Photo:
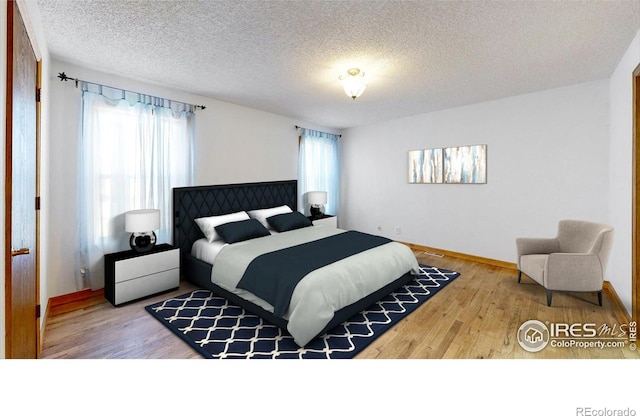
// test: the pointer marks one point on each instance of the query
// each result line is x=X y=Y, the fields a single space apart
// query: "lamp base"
x=142 y=242
x=316 y=211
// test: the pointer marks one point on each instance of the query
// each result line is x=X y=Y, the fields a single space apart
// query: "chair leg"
x=519 y=276
x=600 y=297
x=548 y=298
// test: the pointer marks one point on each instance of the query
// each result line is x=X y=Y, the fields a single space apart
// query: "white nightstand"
x=326 y=220
x=130 y=275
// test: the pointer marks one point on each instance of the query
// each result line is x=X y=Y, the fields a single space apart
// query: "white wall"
x=547 y=160
x=238 y=144
x=621 y=172
x=233 y=144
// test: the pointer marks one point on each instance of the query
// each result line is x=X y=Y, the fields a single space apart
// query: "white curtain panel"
x=133 y=150
x=318 y=168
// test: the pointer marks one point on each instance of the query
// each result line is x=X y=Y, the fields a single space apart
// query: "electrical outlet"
x=398 y=229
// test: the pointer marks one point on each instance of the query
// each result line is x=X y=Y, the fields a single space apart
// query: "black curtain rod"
x=65 y=77
x=337 y=135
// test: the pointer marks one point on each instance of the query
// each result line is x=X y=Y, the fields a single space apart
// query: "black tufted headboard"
x=193 y=202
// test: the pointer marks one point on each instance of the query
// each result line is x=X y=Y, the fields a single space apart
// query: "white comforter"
x=322 y=292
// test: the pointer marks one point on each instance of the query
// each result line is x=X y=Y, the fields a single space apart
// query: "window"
x=318 y=168
x=131 y=155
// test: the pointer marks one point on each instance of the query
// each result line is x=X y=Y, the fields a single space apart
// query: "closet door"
x=20 y=222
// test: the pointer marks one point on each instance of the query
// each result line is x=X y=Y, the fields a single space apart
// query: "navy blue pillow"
x=233 y=232
x=289 y=221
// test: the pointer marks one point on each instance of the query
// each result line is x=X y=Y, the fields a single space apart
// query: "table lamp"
x=142 y=223
x=317 y=199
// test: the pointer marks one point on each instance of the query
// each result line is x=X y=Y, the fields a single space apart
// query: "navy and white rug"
x=218 y=329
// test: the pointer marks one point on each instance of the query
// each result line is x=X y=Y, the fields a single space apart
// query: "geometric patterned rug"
x=217 y=328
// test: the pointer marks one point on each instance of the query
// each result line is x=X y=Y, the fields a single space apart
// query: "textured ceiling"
x=285 y=56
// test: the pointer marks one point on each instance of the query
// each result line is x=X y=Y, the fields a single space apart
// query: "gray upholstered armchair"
x=574 y=261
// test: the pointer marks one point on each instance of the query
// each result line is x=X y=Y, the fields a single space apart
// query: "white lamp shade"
x=142 y=220
x=353 y=87
x=317 y=197
x=353 y=83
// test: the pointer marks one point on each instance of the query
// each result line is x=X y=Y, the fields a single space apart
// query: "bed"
x=321 y=276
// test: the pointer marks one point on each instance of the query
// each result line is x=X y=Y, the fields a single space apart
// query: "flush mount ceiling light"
x=353 y=83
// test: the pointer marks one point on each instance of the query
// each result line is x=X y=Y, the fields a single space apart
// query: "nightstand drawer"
x=146 y=265
x=149 y=284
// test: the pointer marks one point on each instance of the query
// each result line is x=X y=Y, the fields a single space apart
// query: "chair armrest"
x=580 y=272
x=536 y=246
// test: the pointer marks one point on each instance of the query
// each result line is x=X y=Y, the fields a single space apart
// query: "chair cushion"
x=581 y=236
x=533 y=266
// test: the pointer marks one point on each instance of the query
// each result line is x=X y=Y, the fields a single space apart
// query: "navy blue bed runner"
x=273 y=276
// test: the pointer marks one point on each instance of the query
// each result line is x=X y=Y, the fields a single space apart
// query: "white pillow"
x=208 y=224
x=262 y=214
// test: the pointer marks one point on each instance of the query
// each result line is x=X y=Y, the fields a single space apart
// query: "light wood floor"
x=475 y=316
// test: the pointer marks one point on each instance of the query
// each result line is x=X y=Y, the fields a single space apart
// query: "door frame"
x=21 y=7
x=635 y=198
